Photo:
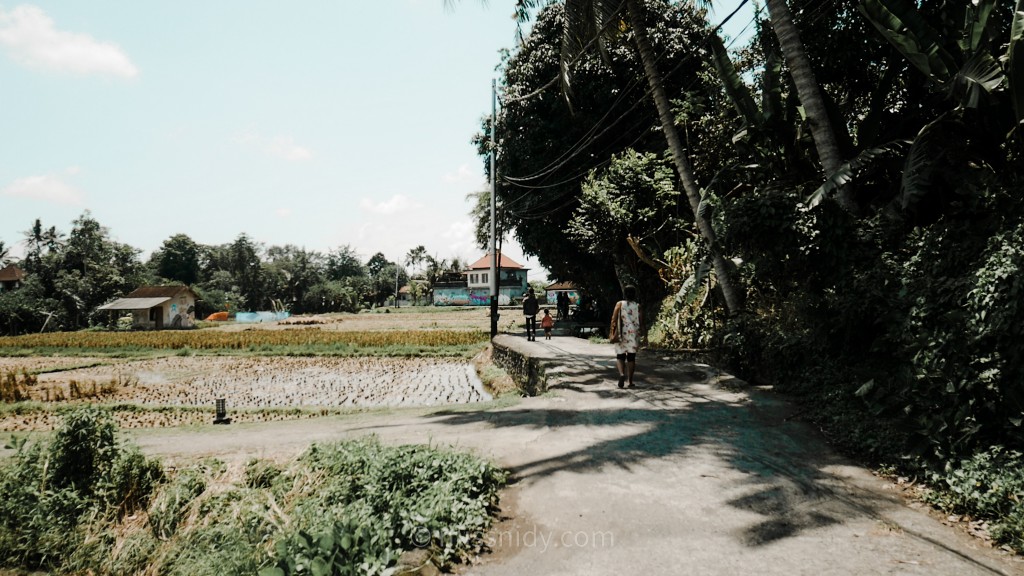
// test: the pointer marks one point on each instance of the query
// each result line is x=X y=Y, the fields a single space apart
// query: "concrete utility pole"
x=396 y=287
x=494 y=225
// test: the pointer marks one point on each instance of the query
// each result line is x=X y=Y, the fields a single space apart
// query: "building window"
x=484 y=279
x=472 y=278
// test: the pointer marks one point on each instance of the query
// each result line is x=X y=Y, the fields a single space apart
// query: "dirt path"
x=684 y=475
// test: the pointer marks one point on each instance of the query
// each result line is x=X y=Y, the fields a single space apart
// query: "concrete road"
x=689 y=473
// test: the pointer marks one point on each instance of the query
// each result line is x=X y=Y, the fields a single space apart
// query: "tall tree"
x=343 y=262
x=416 y=257
x=809 y=93
x=246 y=268
x=178 y=259
x=595 y=22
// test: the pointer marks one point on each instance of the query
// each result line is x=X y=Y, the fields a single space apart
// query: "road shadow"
x=682 y=410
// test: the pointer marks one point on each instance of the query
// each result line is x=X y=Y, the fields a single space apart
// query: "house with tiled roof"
x=474 y=289
x=11 y=277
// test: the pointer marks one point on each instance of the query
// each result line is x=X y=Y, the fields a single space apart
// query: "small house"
x=11 y=277
x=158 y=307
x=553 y=290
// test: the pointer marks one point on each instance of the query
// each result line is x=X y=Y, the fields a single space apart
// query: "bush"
x=50 y=493
x=344 y=508
x=987 y=486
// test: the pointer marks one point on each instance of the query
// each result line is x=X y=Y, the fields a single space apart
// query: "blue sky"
x=316 y=123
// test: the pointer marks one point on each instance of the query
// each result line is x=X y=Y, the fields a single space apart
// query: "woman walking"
x=624 y=332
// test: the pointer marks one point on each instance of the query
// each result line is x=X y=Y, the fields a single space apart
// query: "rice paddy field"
x=301 y=367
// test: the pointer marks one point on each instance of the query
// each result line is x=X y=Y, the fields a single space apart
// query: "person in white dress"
x=624 y=332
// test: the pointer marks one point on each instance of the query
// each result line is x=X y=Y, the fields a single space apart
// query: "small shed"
x=567 y=287
x=158 y=307
x=11 y=277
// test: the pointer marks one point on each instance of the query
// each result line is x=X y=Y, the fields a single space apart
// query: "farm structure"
x=11 y=277
x=569 y=288
x=158 y=307
x=474 y=287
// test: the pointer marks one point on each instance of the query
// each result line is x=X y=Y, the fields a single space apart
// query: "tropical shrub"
x=345 y=508
x=50 y=492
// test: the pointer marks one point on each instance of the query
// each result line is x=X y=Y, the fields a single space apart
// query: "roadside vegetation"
x=85 y=502
x=845 y=226
x=837 y=218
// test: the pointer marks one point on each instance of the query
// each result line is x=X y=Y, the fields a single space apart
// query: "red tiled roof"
x=11 y=273
x=505 y=264
x=562 y=286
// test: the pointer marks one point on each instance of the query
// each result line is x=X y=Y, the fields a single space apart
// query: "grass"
x=311 y=340
x=349 y=507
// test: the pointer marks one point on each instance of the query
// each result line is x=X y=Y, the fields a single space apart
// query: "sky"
x=318 y=123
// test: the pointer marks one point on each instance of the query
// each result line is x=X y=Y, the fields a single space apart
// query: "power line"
x=588 y=138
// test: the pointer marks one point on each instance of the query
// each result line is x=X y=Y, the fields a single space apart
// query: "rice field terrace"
x=305 y=367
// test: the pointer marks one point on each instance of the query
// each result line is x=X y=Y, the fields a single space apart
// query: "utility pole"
x=396 y=287
x=494 y=224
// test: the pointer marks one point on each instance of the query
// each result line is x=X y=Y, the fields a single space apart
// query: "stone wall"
x=528 y=372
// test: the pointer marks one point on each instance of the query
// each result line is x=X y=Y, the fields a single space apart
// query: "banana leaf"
x=1015 y=71
x=849 y=170
x=900 y=23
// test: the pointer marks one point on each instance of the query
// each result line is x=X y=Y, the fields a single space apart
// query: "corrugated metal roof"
x=133 y=304
x=158 y=292
x=562 y=286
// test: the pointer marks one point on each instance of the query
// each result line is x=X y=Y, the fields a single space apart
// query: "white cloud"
x=461 y=174
x=397 y=203
x=278 y=146
x=285 y=147
x=283 y=212
x=30 y=38
x=47 y=188
x=460 y=238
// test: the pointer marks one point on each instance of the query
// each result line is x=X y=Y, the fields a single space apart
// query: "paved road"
x=690 y=473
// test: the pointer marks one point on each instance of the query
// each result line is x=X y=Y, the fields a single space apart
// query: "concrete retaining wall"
x=527 y=369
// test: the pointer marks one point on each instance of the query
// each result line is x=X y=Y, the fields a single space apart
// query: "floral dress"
x=629 y=333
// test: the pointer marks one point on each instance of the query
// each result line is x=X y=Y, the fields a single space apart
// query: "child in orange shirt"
x=547 y=323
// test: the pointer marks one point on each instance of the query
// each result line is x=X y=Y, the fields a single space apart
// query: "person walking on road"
x=547 y=323
x=624 y=332
x=530 y=309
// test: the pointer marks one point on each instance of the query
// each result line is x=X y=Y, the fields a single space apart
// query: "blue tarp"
x=256 y=317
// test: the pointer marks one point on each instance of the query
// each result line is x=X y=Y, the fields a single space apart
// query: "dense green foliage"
x=68 y=278
x=894 y=317
x=85 y=504
x=50 y=493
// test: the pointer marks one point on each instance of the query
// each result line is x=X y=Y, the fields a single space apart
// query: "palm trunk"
x=733 y=298
x=810 y=94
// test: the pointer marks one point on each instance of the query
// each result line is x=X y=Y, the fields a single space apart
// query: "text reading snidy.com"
x=533 y=537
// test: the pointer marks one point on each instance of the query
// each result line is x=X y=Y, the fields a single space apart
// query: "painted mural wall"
x=468 y=297
x=574 y=298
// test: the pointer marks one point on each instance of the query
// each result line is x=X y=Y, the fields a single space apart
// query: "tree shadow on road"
x=680 y=411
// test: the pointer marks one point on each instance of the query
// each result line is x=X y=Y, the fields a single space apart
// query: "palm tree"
x=590 y=21
x=809 y=92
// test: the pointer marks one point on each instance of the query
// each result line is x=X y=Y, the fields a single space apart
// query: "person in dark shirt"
x=530 y=309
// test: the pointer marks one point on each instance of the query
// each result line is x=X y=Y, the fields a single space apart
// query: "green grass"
x=348 y=507
x=397 y=350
